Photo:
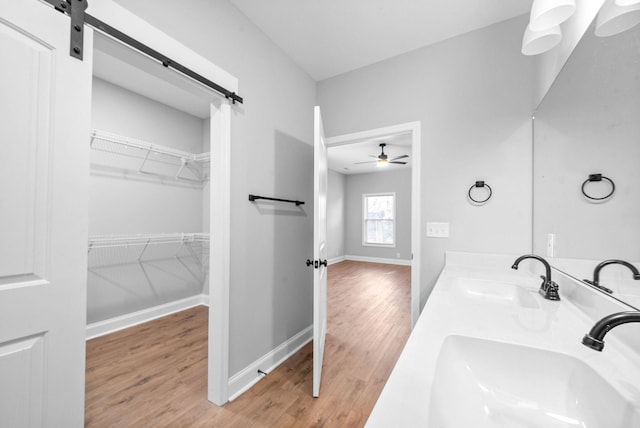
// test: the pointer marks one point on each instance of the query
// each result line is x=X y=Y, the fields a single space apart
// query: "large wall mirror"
x=589 y=124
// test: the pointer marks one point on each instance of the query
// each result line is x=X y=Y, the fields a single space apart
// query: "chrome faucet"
x=548 y=288
x=596 y=273
x=595 y=338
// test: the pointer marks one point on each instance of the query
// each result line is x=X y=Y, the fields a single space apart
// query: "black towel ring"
x=480 y=184
x=598 y=177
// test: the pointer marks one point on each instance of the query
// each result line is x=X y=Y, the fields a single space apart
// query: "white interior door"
x=44 y=160
x=319 y=249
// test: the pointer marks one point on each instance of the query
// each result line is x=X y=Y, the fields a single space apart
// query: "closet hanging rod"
x=256 y=197
x=79 y=17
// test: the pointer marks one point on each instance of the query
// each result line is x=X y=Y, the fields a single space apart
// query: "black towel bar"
x=255 y=197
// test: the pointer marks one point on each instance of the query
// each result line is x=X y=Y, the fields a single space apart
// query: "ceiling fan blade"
x=373 y=156
x=401 y=163
x=400 y=157
x=356 y=163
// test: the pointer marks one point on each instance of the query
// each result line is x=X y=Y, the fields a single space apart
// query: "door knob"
x=317 y=263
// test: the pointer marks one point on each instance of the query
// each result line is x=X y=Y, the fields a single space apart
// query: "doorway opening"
x=401 y=143
x=160 y=150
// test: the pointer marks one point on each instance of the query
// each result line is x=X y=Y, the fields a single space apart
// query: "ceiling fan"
x=382 y=159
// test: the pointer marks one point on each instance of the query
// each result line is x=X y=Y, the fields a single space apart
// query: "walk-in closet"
x=148 y=191
x=150 y=207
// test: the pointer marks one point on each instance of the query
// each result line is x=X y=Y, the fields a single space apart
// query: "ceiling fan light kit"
x=382 y=160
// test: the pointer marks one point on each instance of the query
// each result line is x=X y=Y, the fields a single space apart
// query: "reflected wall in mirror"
x=589 y=123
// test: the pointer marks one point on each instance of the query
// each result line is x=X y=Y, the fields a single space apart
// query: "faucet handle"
x=549 y=289
x=552 y=291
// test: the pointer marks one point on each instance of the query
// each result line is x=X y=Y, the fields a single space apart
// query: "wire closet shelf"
x=184 y=161
x=109 y=241
x=194 y=243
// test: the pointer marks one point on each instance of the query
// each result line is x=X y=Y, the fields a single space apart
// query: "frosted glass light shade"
x=626 y=2
x=613 y=19
x=537 y=42
x=547 y=14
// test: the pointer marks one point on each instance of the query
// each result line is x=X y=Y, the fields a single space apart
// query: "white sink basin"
x=482 y=383
x=496 y=292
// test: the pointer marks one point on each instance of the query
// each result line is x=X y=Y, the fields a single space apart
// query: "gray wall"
x=383 y=182
x=271 y=155
x=474 y=96
x=122 y=201
x=336 y=214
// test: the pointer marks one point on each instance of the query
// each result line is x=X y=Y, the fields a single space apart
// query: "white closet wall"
x=123 y=201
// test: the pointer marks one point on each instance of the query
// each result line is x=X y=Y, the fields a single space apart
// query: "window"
x=379 y=219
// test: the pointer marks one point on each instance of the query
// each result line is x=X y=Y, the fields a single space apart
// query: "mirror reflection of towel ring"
x=598 y=177
x=480 y=184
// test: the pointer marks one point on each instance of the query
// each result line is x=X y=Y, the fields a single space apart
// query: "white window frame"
x=364 y=220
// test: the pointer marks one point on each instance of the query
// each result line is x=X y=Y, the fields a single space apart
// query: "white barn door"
x=319 y=250
x=44 y=160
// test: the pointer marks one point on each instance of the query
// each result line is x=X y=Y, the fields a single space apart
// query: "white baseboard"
x=111 y=325
x=337 y=260
x=249 y=376
x=204 y=299
x=401 y=262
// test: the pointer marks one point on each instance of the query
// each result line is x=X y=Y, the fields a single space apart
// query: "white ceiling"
x=344 y=158
x=331 y=37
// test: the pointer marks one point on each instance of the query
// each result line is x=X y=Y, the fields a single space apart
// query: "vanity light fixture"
x=627 y=2
x=537 y=42
x=543 y=32
x=617 y=16
x=546 y=14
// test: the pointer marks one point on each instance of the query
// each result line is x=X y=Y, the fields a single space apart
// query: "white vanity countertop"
x=467 y=300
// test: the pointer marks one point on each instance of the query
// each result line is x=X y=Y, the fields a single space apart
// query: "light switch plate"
x=437 y=230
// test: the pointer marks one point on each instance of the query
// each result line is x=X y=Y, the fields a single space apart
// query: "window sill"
x=367 y=244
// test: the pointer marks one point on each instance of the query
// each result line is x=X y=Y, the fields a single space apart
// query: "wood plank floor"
x=155 y=374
